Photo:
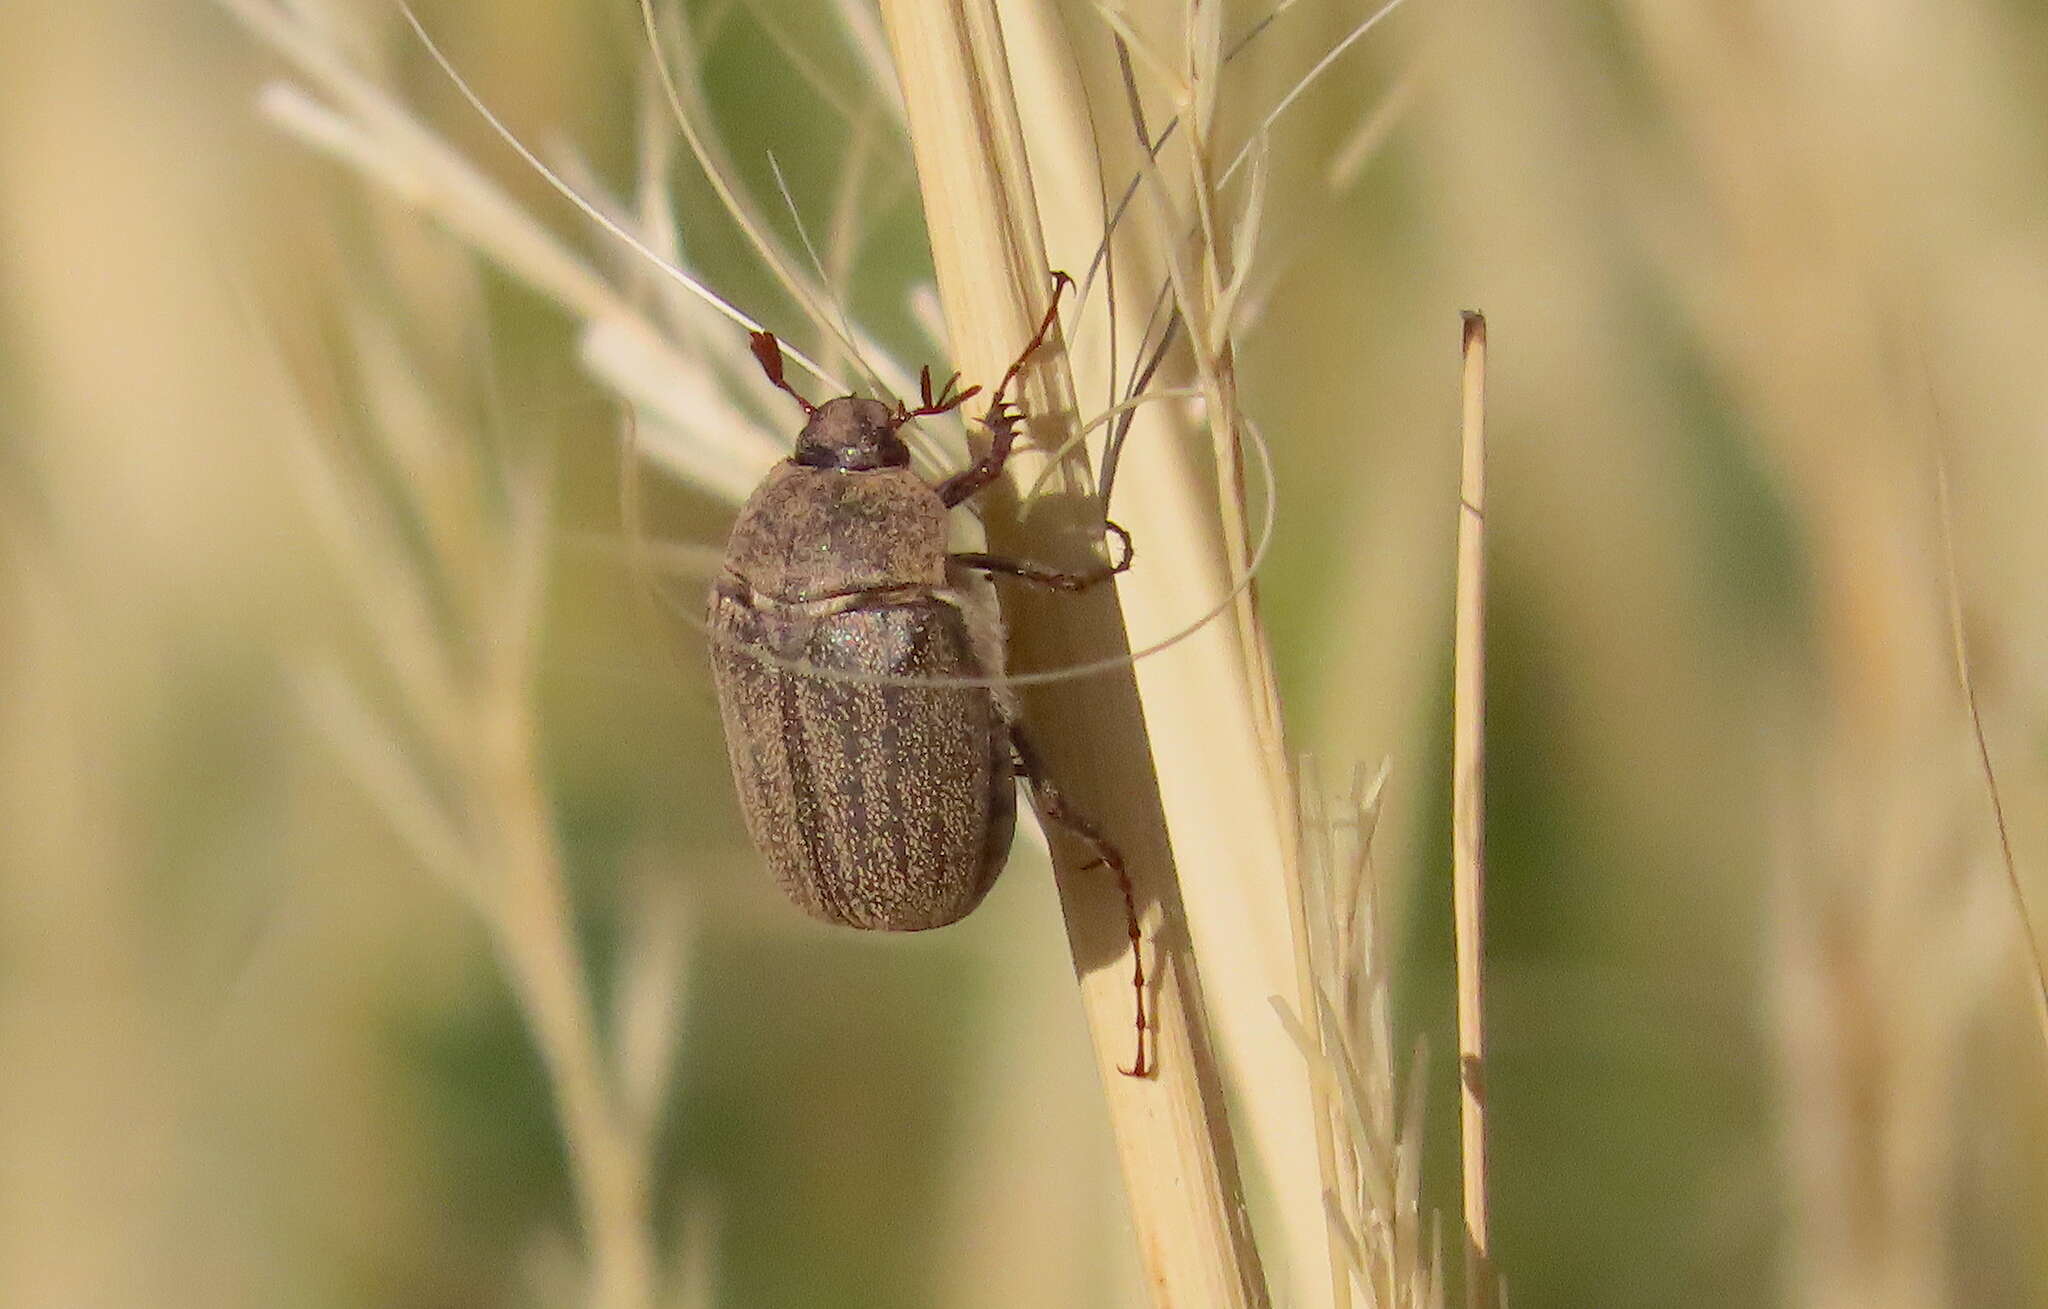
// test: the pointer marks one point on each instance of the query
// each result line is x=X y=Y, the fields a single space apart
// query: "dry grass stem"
x=680 y=370
x=1372 y=1129
x=467 y=799
x=1214 y=799
x=534 y=930
x=326 y=799
x=1174 y=272
x=1952 y=587
x=1887 y=935
x=990 y=252
x=1468 y=816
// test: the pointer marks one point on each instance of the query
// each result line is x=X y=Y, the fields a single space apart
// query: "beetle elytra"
x=883 y=797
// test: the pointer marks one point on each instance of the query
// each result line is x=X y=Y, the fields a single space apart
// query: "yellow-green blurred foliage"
x=1761 y=1020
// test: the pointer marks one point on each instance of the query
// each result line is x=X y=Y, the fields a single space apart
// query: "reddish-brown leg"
x=1054 y=807
x=1050 y=577
x=1002 y=418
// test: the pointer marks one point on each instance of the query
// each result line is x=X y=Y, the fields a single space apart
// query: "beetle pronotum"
x=875 y=762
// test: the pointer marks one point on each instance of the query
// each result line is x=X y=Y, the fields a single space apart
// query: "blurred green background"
x=1760 y=1008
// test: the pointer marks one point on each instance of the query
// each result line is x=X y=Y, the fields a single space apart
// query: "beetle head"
x=852 y=433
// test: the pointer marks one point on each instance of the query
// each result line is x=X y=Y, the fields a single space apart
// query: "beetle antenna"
x=768 y=353
x=945 y=401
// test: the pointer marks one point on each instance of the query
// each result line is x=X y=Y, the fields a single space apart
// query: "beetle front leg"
x=1052 y=577
x=1053 y=806
x=1001 y=422
x=1002 y=418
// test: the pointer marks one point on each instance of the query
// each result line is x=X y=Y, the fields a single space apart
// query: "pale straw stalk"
x=1180 y=759
x=470 y=802
x=1468 y=817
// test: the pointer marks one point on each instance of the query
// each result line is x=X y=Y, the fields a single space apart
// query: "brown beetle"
x=877 y=801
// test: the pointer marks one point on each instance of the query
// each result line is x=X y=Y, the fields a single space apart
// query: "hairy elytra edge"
x=880 y=801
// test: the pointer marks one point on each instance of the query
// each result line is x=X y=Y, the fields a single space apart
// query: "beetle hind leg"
x=1053 y=805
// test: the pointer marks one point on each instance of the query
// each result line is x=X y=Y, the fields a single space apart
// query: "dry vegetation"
x=378 y=928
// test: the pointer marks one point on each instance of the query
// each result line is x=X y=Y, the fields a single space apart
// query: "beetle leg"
x=1050 y=577
x=1002 y=417
x=1053 y=806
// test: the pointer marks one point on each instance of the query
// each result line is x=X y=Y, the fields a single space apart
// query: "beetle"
x=879 y=799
